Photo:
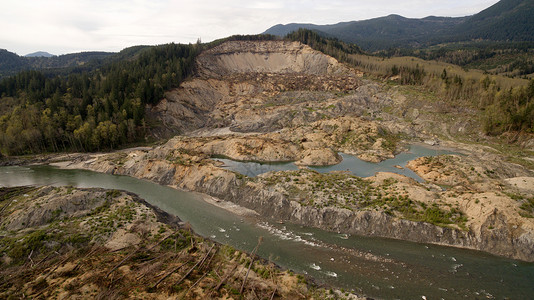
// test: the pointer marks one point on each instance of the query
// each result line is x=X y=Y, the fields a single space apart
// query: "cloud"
x=61 y=26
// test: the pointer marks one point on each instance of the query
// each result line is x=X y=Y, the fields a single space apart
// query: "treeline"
x=503 y=109
x=329 y=46
x=88 y=111
x=511 y=110
x=11 y=63
x=510 y=59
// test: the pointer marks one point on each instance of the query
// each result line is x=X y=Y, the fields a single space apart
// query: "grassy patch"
x=344 y=190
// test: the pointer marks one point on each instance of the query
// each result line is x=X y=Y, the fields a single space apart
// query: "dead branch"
x=30 y=258
x=169 y=274
x=39 y=262
x=230 y=273
x=200 y=262
x=252 y=258
x=255 y=295
x=206 y=266
x=123 y=261
x=57 y=266
x=275 y=285
x=163 y=239
x=194 y=284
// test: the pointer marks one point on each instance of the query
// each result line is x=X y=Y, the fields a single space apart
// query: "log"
x=225 y=278
x=253 y=257
x=169 y=274
x=197 y=264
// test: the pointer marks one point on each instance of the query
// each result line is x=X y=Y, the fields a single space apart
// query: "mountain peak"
x=39 y=54
x=395 y=16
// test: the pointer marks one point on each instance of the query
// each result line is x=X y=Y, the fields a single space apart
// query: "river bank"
x=72 y=242
x=473 y=212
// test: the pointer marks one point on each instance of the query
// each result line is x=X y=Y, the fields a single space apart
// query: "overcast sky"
x=66 y=26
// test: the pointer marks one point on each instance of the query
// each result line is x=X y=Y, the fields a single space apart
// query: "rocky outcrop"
x=52 y=204
x=496 y=235
x=313 y=144
x=319 y=157
x=252 y=148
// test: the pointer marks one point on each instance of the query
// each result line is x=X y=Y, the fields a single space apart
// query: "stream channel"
x=376 y=267
x=349 y=163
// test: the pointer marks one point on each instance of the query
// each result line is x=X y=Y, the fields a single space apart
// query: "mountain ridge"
x=507 y=20
x=12 y=63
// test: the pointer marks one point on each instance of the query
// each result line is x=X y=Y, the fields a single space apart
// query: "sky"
x=68 y=26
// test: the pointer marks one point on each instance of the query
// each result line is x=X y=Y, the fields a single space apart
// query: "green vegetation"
x=506 y=104
x=343 y=190
x=59 y=232
x=64 y=256
x=89 y=111
x=507 y=20
x=512 y=59
x=527 y=204
x=329 y=46
x=11 y=63
x=528 y=207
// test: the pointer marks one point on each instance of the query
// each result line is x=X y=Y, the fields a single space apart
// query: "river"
x=376 y=267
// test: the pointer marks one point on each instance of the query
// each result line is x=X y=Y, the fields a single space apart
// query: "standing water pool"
x=349 y=163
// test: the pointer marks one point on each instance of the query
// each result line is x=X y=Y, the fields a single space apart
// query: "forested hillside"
x=11 y=63
x=379 y=33
x=89 y=110
x=507 y=20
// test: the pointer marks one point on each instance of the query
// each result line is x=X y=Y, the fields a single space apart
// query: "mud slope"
x=247 y=85
x=266 y=57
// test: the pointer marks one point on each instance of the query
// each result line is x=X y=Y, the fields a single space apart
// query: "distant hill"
x=11 y=63
x=39 y=54
x=379 y=33
x=67 y=60
x=507 y=20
